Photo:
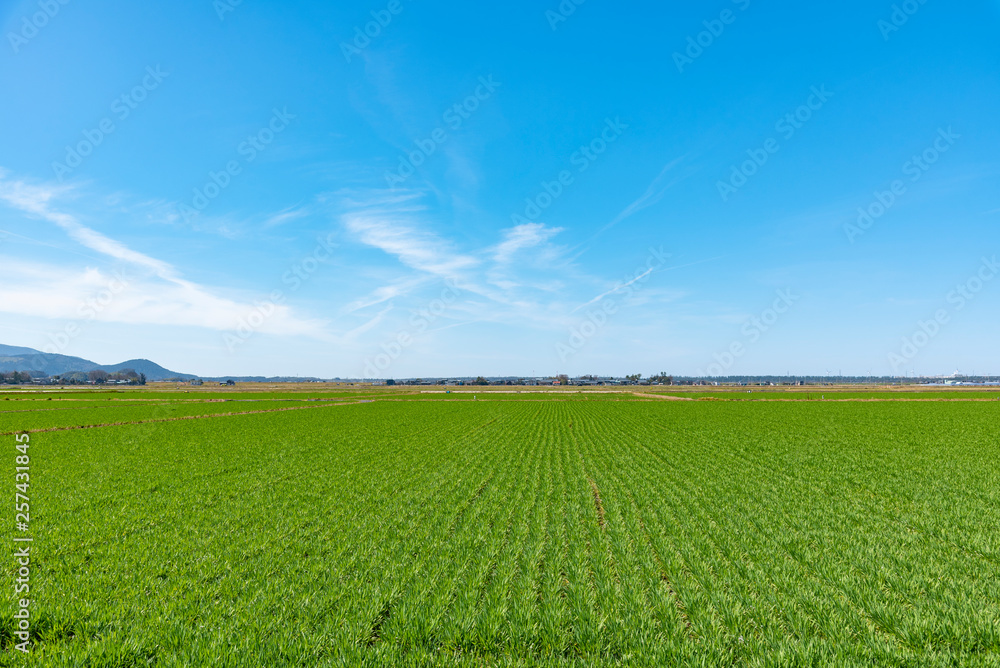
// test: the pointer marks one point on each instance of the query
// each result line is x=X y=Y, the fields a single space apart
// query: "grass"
x=60 y=415
x=503 y=531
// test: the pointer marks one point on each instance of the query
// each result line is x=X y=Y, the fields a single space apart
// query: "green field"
x=387 y=528
x=819 y=394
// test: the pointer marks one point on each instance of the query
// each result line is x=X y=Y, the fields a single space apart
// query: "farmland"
x=405 y=528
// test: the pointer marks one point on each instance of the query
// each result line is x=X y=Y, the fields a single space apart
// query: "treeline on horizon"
x=95 y=377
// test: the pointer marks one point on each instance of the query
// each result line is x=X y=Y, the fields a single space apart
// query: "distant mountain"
x=152 y=370
x=13 y=358
x=14 y=350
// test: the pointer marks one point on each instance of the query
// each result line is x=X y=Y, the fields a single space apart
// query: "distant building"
x=197 y=382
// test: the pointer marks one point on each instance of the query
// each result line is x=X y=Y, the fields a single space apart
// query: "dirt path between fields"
x=181 y=417
x=663 y=396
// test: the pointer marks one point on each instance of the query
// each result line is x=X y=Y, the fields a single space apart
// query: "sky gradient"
x=405 y=189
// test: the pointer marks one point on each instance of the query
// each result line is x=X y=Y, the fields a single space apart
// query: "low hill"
x=13 y=358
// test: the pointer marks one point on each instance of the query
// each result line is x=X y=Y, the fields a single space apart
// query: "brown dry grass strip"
x=597 y=503
x=181 y=417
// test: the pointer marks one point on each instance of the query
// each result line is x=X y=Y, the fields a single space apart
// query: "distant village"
x=129 y=377
x=97 y=377
x=665 y=379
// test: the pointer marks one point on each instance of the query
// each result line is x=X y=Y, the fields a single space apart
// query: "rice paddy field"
x=365 y=527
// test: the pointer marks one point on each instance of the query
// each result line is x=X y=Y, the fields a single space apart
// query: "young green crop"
x=513 y=532
x=50 y=416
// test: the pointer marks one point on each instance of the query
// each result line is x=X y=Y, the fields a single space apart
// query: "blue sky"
x=503 y=188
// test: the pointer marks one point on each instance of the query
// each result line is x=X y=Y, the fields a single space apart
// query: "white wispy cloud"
x=165 y=212
x=121 y=296
x=621 y=286
x=385 y=293
x=524 y=236
x=284 y=216
x=616 y=289
x=415 y=248
x=154 y=293
x=654 y=193
x=515 y=279
x=34 y=200
x=372 y=323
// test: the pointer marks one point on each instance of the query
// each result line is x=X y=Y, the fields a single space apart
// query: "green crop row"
x=46 y=417
x=780 y=394
x=521 y=533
